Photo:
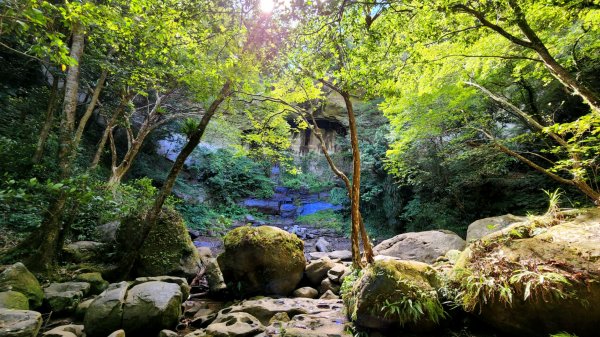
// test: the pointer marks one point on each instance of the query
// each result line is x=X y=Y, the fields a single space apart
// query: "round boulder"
x=18 y=278
x=13 y=300
x=424 y=246
x=262 y=260
x=483 y=227
x=19 y=323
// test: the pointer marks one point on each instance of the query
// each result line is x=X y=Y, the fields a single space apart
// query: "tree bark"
x=111 y=123
x=129 y=258
x=49 y=232
x=90 y=108
x=48 y=122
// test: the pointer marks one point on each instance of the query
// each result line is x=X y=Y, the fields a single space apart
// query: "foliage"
x=207 y=218
x=325 y=219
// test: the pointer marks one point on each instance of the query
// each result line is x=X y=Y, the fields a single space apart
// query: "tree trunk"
x=129 y=258
x=90 y=108
x=51 y=227
x=118 y=172
x=113 y=120
x=48 y=121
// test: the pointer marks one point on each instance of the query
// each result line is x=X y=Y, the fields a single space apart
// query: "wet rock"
x=18 y=278
x=483 y=227
x=71 y=330
x=424 y=246
x=262 y=260
x=151 y=307
x=13 y=300
x=306 y=292
x=63 y=298
x=288 y=211
x=235 y=324
x=323 y=245
x=317 y=270
x=19 y=323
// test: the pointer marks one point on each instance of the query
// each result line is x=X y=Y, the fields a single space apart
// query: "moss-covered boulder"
x=390 y=294
x=535 y=278
x=262 y=260
x=18 y=278
x=97 y=283
x=13 y=300
x=168 y=250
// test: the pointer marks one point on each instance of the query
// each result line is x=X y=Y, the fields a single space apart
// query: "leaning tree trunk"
x=131 y=255
x=48 y=121
x=47 y=236
x=105 y=135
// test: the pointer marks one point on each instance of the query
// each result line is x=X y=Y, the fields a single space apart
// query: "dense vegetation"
x=454 y=110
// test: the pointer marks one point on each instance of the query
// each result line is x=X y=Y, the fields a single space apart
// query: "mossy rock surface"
x=168 y=250
x=391 y=294
x=545 y=275
x=18 y=278
x=13 y=300
x=262 y=260
x=97 y=283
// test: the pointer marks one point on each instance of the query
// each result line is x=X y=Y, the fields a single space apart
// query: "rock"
x=263 y=206
x=335 y=274
x=327 y=285
x=70 y=330
x=18 y=278
x=64 y=297
x=377 y=299
x=322 y=245
x=107 y=233
x=167 y=333
x=550 y=267
x=151 y=307
x=483 y=227
x=204 y=253
x=19 y=323
x=13 y=300
x=168 y=250
x=84 y=251
x=288 y=211
x=452 y=255
x=317 y=255
x=180 y=281
x=235 y=324
x=193 y=233
x=262 y=260
x=306 y=292
x=316 y=326
x=214 y=276
x=329 y=295
x=97 y=283
x=118 y=333
x=105 y=313
x=420 y=246
x=249 y=219
x=82 y=307
x=317 y=270
x=343 y=255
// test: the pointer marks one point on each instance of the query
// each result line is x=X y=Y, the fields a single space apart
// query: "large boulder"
x=151 y=307
x=390 y=294
x=262 y=260
x=168 y=249
x=317 y=270
x=535 y=278
x=19 y=323
x=97 y=283
x=18 y=278
x=64 y=297
x=84 y=251
x=13 y=300
x=483 y=227
x=420 y=246
x=105 y=313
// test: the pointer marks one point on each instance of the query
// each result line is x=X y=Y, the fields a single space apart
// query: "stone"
x=63 y=298
x=151 y=307
x=214 y=276
x=84 y=251
x=329 y=295
x=194 y=234
x=306 y=292
x=105 y=313
x=82 y=307
x=343 y=255
x=167 y=333
x=483 y=227
x=263 y=206
x=97 y=283
x=204 y=253
x=249 y=218
x=563 y=254
x=335 y=274
x=317 y=255
x=317 y=270
x=323 y=245
x=18 y=278
x=327 y=285
x=262 y=260
x=19 y=323
x=180 y=281
x=107 y=233
x=168 y=250
x=424 y=246
x=391 y=281
x=70 y=330
x=235 y=324
x=288 y=211
x=13 y=300
x=118 y=333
